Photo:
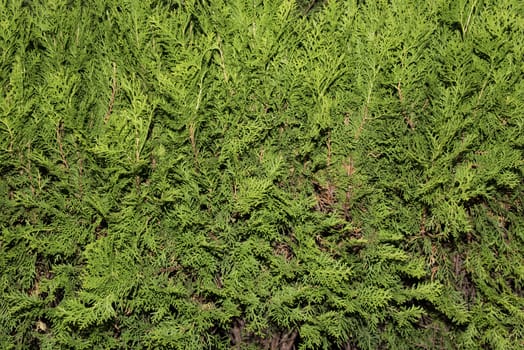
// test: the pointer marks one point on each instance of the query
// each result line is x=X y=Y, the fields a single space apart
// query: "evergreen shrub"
x=191 y=174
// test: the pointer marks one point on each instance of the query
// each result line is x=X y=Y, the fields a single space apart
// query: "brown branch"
x=137 y=147
x=137 y=158
x=222 y=60
x=361 y=126
x=28 y=168
x=310 y=7
x=399 y=90
x=113 y=93
x=193 y=141
x=406 y=117
x=328 y=144
x=261 y=155
x=422 y=230
x=169 y=269
x=350 y=170
x=59 y=131
x=80 y=174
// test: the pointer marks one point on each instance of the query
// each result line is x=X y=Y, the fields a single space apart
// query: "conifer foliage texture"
x=258 y=174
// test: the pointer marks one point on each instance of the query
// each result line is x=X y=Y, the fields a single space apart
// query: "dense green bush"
x=200 y=174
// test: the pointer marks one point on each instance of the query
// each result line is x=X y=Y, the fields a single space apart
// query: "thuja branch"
x=222 y=60
x=59 y=131
x=113 y=93
x=468 y=21
x=404 y=113
x=193 y=142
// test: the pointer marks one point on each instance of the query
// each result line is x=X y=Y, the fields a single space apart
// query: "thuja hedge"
x=261 y=174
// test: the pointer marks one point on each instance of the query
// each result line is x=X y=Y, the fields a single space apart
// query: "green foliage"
x=261 y=174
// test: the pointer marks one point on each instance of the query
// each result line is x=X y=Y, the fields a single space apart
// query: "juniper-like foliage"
x=261 y=174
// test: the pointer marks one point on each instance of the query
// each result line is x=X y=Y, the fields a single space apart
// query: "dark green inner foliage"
x=255 y=174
